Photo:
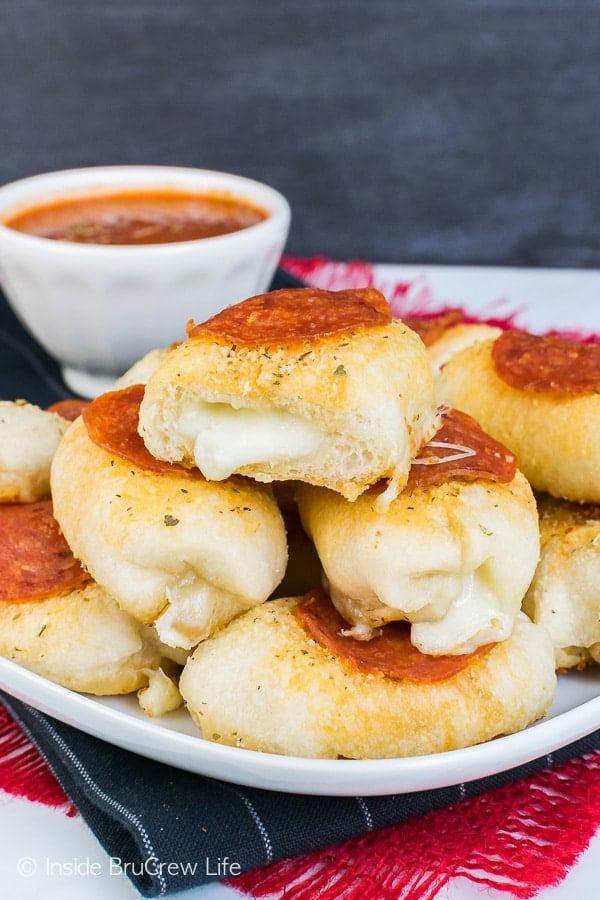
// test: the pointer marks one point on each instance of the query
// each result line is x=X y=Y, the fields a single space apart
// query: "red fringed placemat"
x=519 y=838
x=333 y=276
x=23 y=772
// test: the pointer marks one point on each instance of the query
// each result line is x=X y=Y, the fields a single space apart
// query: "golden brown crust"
x=262 y=683
x=81 y=640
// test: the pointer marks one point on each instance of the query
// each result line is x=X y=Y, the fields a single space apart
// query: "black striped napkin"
x=169 y=830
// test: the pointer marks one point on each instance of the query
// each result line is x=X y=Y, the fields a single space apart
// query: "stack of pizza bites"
x=54 y=619
x=425 y=530
x=540 y=396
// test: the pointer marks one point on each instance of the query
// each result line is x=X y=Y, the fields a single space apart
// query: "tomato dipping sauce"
x=162 y=216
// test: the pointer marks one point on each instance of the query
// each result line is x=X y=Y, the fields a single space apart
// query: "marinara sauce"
x=137 y=217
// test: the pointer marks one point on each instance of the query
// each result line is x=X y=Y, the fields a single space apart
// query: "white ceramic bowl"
x=99 y=308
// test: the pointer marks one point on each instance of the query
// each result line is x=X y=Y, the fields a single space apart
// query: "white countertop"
x=47 y=854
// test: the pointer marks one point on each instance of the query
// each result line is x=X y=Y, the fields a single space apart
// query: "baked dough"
x=29 y=437
x=140 y=371
x=83 y=641
x=264 y=684
x=456 y=338
x=177 y=551
x=340 y=411
x=564 y=596
x=555 y=438
x=454 y=559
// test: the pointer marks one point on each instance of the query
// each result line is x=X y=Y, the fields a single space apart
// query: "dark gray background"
x=459 y=131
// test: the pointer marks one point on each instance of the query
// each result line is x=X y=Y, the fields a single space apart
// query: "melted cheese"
x=226 y=439
x=195 y=609
x=161 y=695
x=474 y=618
x=450 y=613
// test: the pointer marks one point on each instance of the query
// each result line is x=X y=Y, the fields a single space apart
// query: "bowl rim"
x=151 y=176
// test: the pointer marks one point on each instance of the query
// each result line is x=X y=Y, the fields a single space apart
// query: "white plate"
x=538 y=300
x=173 y=739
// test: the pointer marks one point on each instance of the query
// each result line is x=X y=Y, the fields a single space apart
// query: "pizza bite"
x=280 y=679
x=172 y=548
x=319 y=386
x=55 y=621
x=453 y=554
x=539 y=395
x=29 y=437
x=564 y=595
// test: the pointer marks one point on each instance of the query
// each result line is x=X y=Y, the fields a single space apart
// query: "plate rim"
x=293 y=774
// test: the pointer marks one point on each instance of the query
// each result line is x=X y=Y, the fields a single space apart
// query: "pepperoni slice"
x=35 y=560
x=431 y=328
x=461 y=449
x=389 y=653
x=69 y=409
x=531 y=362
x=296 y=314
x=112 y=420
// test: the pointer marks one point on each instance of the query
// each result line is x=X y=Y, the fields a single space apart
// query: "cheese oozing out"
x=226 y=439
x=449 y=613
x=474 y=618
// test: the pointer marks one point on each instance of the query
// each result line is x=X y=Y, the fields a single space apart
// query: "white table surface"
x=46 y=855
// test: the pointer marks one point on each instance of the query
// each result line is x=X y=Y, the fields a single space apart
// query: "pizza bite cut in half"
x=318 y=386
